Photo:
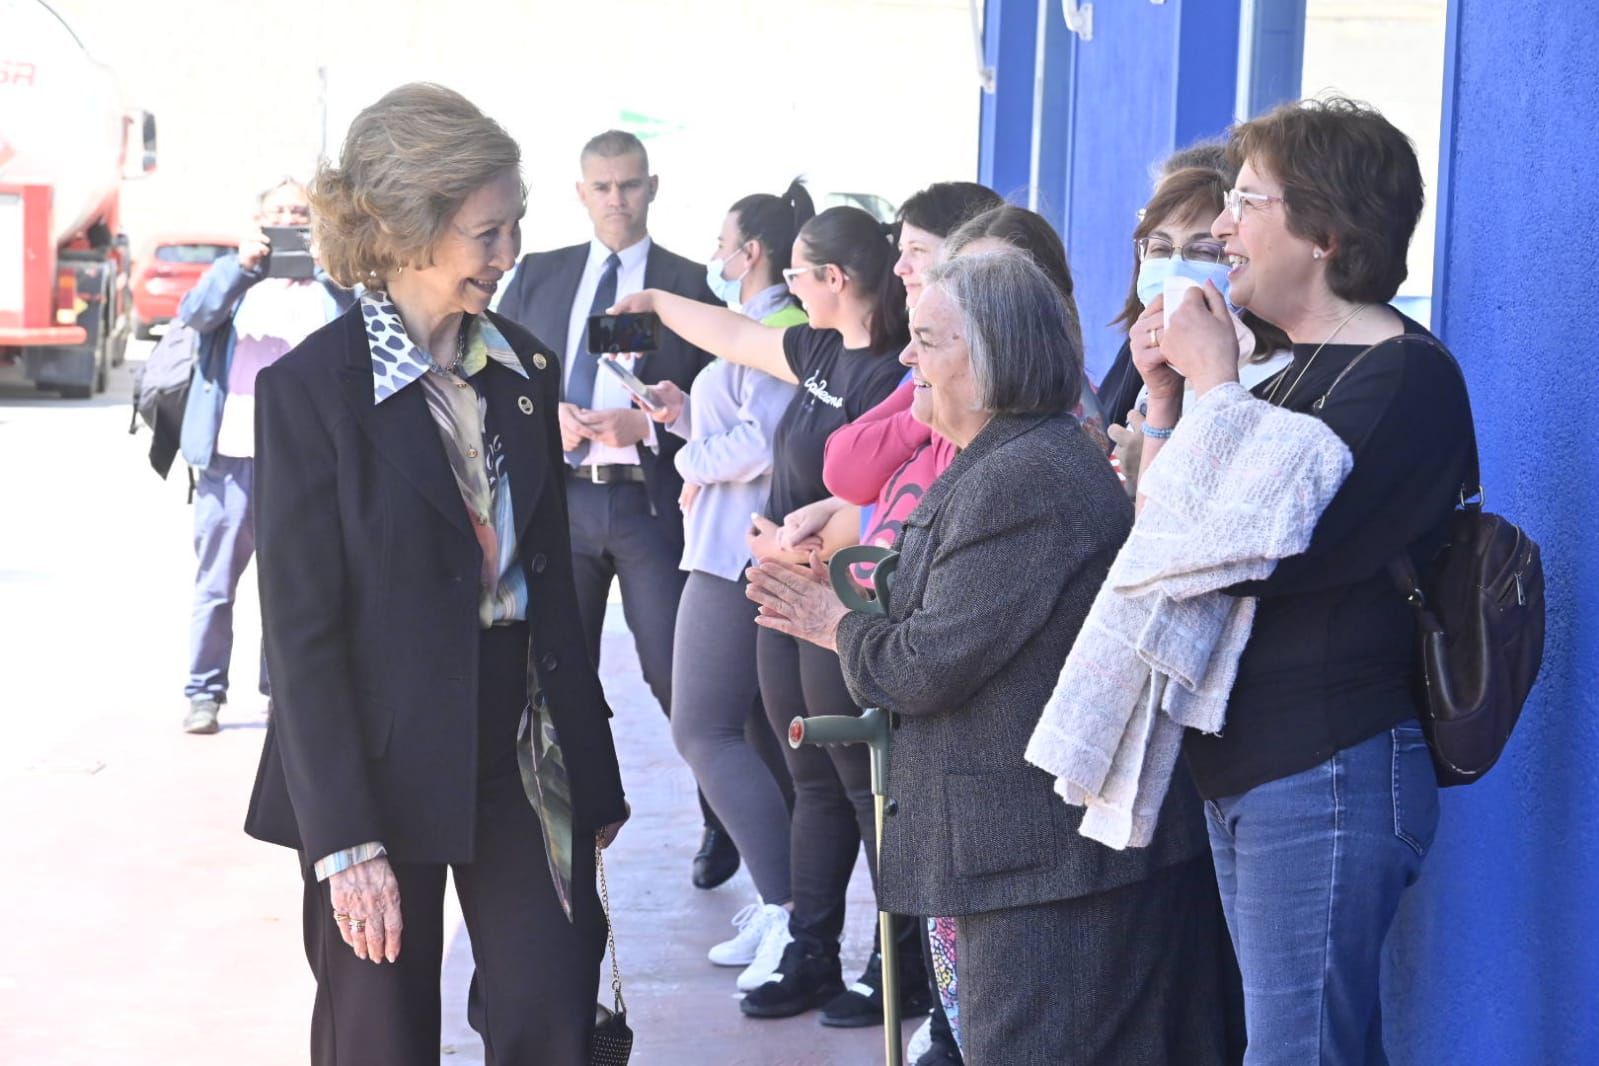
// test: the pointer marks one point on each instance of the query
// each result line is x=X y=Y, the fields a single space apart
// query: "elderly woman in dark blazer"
x=433 y=704
x=1069 y=952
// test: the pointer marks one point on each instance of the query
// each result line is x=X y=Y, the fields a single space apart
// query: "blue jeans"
x=224 y=541
x=1311 y=868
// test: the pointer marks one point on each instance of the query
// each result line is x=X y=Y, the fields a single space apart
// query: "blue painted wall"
x=1152 y=79
x=1496 y=956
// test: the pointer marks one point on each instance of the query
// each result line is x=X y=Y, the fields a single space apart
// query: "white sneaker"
x=775 y=936
x=740 y=951
x=921 y=1041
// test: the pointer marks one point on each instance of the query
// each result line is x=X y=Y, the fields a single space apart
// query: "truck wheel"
x=77 y=392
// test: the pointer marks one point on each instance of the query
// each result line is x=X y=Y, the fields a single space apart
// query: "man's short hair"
x=285 y=180
x=613 y=143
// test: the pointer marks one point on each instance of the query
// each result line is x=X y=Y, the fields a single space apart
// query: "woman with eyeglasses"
x=844 y=362
x=1173 y=238
x=1322 y=801
x=729 y=419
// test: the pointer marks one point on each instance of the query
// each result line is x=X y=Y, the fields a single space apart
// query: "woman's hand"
x=1129 y=448
x=606 y=835
x=1146 y=338
x=797 y=600
x=761 y=539
x=802 y=528
x=685 y=499
x=638 y=303
x=366 y=906
x=671 y=400
x=1202 y=344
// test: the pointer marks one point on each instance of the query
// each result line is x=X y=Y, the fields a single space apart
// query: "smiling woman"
x=433 y=704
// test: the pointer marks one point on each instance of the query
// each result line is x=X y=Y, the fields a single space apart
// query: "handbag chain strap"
x=610 y=930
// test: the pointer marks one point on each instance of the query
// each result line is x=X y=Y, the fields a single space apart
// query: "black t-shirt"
x=1332 y=654
x=837 y=386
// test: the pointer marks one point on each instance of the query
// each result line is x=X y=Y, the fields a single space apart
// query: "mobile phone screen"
x=624 y=333
x=631 y=383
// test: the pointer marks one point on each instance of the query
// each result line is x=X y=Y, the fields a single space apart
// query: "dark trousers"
x=532 y=997
x=833 y=812
x=614 y=535
x=1138 y=974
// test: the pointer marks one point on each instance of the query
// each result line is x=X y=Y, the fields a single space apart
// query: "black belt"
x=610 y=474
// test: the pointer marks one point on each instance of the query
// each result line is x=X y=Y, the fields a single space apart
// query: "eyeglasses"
x=1200 y=251
x=1236 y=198
x=793 y=272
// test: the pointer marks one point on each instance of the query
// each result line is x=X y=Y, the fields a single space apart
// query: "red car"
x=169 y=268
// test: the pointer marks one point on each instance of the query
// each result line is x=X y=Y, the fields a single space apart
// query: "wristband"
x=1156 y=434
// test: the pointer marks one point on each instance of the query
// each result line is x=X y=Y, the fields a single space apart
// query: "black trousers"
x=614 y=535
x=833 y=814
x=533 y=995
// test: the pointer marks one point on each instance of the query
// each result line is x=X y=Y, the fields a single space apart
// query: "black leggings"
x=832 y=786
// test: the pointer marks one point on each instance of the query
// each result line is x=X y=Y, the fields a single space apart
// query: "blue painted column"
x=1153 y=78
x=1004 y=151
x=1496 y=955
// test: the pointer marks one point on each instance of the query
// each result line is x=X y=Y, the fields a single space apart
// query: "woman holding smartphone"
x=729 y=421
x=844 y=362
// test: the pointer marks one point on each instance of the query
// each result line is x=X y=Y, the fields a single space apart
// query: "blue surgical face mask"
x=727 y=290
x=1152 y=275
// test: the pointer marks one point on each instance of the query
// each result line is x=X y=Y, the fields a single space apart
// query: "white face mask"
x=725 y=289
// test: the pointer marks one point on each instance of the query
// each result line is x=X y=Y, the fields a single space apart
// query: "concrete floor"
x=138 y=924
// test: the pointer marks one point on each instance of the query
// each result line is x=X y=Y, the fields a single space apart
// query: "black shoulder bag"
x=1479 y=604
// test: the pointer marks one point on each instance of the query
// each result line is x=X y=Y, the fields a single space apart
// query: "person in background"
x=843 y=361
x=1119 y=387
x=1069 y=952
x=438 y=711
x=718 y=724
x=626 y=524
x=1173 y=237
x=1321 y=797
x=246 y=321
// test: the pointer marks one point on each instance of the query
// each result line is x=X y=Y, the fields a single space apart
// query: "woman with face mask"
x=729 y=419
x=1173 y=239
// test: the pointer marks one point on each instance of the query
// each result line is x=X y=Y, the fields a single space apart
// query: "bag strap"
x=610 y=930
x=1470 y=489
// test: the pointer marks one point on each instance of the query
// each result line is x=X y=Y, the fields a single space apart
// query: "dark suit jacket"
x=369 y=597
x=540 y=298
x=998 y=567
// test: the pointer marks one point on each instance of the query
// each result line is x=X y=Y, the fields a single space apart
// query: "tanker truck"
x=66 y=144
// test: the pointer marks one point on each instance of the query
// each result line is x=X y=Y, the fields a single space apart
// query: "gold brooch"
x=525 y=404
x=539 y=362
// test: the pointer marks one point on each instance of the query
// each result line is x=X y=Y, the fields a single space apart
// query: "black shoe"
x=808 y=976
x=941 y=1055
x=717 y=859
x=861 y=1004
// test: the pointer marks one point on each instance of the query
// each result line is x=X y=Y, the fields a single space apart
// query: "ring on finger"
x=340 y=916
x=1154 y=337
x=357 y=924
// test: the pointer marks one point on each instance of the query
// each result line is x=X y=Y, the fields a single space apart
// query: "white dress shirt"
x=608 y=391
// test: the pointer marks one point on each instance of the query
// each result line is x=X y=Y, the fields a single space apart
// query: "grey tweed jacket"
x=998 y=567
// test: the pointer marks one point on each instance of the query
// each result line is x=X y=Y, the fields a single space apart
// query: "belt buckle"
x=594 y=473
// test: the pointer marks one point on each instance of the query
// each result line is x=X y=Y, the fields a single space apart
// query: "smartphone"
x=289 y=254
x=624 y=333
x=630 y=383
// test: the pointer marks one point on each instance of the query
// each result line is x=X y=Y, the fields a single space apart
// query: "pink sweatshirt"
x=886 y=458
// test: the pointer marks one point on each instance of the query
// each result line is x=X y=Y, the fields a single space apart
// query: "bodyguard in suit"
x=1068 y=953
x=623 y=485
x=434 y=708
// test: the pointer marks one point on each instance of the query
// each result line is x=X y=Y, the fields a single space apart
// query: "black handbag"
x=611 y=1043
x=1479 y=604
